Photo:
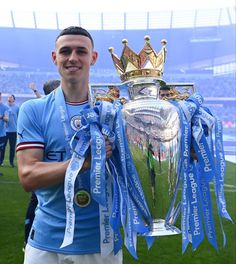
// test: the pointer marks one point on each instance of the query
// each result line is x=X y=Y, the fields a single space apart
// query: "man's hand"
x=193 y=154
x=32 y=86
x=108 y=147
x=87 y=162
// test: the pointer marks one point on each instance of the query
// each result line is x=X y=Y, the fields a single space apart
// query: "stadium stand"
x=204 y=55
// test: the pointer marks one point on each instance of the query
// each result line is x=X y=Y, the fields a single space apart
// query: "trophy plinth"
x=159 y=228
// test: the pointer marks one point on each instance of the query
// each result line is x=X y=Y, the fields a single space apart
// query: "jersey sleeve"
x=29 y=132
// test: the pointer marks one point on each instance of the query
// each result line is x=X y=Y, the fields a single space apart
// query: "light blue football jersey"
x=13 y=111
x=39 y=126
x=3 y=111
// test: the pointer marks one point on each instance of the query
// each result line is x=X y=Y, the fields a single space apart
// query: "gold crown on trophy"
x=148 y=63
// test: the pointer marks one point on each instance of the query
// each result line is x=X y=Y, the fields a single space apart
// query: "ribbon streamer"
x=197 y=175
x=115 y=183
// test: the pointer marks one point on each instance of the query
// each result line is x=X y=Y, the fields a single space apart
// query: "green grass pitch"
x=14 y=201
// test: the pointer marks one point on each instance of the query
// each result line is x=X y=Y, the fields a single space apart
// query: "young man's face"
x=164 y=93
x=73 y=56
x=11 y=99
x=115 y=92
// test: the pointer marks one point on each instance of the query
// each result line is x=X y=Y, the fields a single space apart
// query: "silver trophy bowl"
x=152 y=129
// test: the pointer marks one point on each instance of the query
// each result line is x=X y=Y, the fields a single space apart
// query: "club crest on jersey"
x=75 y=122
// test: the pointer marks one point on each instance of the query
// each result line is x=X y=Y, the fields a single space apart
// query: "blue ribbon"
x=129 y=208
x=134 y=213
x=196 y=176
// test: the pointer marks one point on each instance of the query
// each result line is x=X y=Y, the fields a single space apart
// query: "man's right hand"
x=32 y=86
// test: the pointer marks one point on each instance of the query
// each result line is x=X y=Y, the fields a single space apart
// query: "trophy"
x=163 y=158
x=152 y=130
x=161 y=136
x=152 y=127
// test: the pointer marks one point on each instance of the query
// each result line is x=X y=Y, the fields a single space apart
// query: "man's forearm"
x=42 y=174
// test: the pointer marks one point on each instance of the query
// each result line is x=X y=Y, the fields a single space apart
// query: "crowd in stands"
x=18 y=81
x=207 y=85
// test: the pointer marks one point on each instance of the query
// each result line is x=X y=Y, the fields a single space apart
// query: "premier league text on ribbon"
x=98 y=157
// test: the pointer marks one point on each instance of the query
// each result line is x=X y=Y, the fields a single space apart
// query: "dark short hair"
x=50 y=85
x=13 y=96
x=74 y=30
x=165 y=87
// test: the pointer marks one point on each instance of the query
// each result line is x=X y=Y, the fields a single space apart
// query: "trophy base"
x=159 y=228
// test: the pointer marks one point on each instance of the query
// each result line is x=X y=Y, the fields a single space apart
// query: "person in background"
x=43 y=154
x=48 y=87
x=164 y=92
x=11 y=125
x=32 y=86
x=3 y=121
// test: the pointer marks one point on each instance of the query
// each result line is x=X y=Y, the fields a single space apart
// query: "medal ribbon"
x=77 y=151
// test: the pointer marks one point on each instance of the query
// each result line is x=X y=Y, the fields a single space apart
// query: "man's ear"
x=54 y=57
x=94 y=58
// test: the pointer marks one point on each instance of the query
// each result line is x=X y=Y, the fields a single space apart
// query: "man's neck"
x=75 y=93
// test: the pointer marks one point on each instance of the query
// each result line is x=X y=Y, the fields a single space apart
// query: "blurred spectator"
x=11 y=125
x=3 y=121
x=32 y=86
x=48 y=87
x=164 y=92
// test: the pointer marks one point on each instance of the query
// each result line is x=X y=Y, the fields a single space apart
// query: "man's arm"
x=5 y=117
x=32 y=86
x=34 y=173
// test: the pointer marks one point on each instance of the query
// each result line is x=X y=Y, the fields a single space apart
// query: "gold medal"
x=82 y=198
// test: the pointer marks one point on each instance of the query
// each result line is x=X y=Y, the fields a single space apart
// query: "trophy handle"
x=180 y=91
x=105 y=92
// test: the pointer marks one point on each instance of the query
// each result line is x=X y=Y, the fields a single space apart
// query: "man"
x=13 y=111
x=48 y=87
x=45 y=128
x=164 y=92
x=3 y=121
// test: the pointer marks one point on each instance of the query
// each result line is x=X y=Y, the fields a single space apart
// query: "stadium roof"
x=113 y=14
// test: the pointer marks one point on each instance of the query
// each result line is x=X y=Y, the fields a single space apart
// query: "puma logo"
x=21 y=134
